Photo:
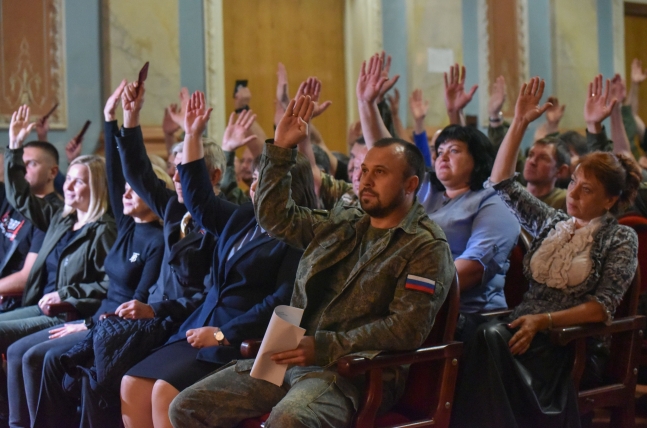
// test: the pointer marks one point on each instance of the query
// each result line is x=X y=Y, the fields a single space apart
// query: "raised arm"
x=368 y=89
x=209 y=211
x=619 y=137
x=455 y=96
x=553 y=116
x=419 y=108
x=137 y=168
x=394 y=106
x=19 y=194
x=275 y=209
x=114 y=172
x=598 y=106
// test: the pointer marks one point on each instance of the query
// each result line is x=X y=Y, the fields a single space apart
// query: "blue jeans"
x=25 y=371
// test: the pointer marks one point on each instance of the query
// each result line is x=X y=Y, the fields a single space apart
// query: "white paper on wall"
x=439 y=60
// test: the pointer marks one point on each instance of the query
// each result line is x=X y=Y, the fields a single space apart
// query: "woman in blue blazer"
x=252 y=274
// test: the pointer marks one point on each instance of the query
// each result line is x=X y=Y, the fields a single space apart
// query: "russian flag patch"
x=419 y=283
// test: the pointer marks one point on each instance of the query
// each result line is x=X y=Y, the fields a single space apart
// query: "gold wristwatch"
x=219 y=336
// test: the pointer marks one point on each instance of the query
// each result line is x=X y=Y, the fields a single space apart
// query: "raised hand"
x=371 y=81
x=236 y=133
x=196 y=115
x=527 y=108
x=455 y=96
x=419 y=108
x=242 y=97
x=132 y=101
x=293 y=127
x=73 y=149
x=618 y=90
x=312 y=87
x=638 y=75
x=394 y=102
x=555 y=112
x=385 y=74
x=19 y=127
x=282 y=86
x=42 y=128
x=598 y=105
x=497 y=98
x=169 y=124
x=113 y=101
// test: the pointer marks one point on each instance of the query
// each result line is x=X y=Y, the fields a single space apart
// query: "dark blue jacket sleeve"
x=423 y=145
x=253 y=323
x=208 y=210
x=139 y=173
x=114 y=171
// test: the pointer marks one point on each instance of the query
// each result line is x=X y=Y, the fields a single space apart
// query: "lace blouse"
x=613 y=257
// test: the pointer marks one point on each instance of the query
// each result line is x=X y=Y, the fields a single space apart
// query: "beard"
x=376 y=208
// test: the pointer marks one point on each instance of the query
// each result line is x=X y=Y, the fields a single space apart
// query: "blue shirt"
x=479 y=227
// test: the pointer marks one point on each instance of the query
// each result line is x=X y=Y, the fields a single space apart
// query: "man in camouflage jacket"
x=369 y=280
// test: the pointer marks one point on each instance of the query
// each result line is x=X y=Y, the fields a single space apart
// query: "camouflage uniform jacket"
x=336 y=193
x=376 y=309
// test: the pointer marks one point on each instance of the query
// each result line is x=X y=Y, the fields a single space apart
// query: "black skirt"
x=174 y=363
x=498 y=389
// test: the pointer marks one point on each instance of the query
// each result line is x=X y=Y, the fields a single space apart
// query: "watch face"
x=220 y=336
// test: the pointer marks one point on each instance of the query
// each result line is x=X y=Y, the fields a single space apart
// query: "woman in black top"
x=132 y=266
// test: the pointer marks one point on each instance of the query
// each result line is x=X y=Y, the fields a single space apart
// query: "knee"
x=33 y=359
x=292 y=417
x=128 y=384
x=182 y=411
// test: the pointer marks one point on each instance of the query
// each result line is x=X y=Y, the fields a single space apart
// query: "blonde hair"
x=98 y=206
x=163 y=175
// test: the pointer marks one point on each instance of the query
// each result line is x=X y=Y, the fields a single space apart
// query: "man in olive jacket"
x=369 y=280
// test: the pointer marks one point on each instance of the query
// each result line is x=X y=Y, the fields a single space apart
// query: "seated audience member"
x=419 y=108
x=20 y=241
x=252 y=274
x=480 y=230
x=70 y=264
x=230 y=143
x=547 y=160
x=180 y=288
x=347 y=251
x=132 y=266
x=579 y=266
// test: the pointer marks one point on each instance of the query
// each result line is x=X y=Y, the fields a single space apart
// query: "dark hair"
x=343 y=157
x=321 y=158
x=360 y=141
x=575 y=141
x=479 y=147
x=44 y=146
x=413 y=156
x=619 y=174
x=561 y=155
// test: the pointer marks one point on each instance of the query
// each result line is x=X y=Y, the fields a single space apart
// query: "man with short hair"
x=370 y=280
x=547 y=160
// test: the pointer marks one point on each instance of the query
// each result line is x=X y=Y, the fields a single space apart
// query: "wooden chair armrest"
x=13 y=294
x=249 y=348
x=107 y=315
x=350 y=366
x=53 y=309
x=564 y=335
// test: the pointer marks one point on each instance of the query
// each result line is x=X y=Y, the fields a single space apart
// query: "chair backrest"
x=639 y=224
x=423 y=384
x=516 y=283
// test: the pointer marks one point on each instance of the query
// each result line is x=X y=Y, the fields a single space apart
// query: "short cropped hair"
x=561 y=155
x=214 y=157
x=413 y=156
x=46 y=147
x=576 y=141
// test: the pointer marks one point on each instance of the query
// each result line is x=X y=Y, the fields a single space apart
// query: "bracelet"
x=550 y=321
x=499 y=118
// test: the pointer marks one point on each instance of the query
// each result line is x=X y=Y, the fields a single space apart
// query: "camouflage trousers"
x=309 y=397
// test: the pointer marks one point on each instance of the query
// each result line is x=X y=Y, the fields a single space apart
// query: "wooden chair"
x=626 y=332
x=429 y=392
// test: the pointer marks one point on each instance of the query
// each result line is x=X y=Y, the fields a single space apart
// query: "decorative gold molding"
x=215 y=66
x=27 y=83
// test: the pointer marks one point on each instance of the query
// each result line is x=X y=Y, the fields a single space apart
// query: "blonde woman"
x=70 y=264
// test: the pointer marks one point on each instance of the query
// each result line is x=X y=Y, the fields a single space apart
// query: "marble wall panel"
x=140 y=31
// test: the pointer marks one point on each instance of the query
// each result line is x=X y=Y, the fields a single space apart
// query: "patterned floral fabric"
x=614 y=256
